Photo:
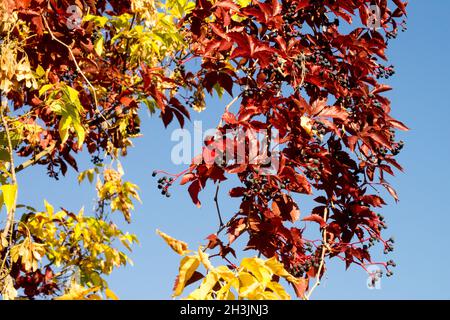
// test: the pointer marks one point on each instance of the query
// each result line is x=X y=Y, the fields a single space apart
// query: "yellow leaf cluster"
x=64 y=101
x=7 y=16
x=254 y=279
x=69 y=240
x=7 y=289
x=78 y=292
x=121 y=194
x=29 y=253
x=146 y=9
x=14 y=71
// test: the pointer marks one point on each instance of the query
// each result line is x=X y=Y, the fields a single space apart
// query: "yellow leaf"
x=110 y=294
x=9 y=196
x=188 y=265
x=258 y=269
x=44 y=89
x=98 y=47
x=204 y=258
x=178 y=246
x=48 y=208
x=243 y=3
x=205 y=288
x=249 y=286
x=267 y=295
x=306 y=123
x=278 y=290
x=278 y=269
x=224 y=293
x=225 y=273
x=40 y=72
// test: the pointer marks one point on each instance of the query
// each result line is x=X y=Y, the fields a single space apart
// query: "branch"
x=10 y=218
x=228 y=107
x=36 y=158
x=124 y=68
x=77 y=66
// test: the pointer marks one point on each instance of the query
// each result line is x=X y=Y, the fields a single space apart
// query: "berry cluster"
x=344 y=82
x=69 y=76
x=258 y=187
x=384 y=72
x=299 y=270
x=249 y=92
x=397 y=148
x=389 y=246
x=164 y=184
x=313 y=169
x=291 y=20
x=179 y=69
x=319 y=58
x=299 y=60
x=95 y=159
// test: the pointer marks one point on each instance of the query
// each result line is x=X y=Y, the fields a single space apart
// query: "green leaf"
x=98 y=46
x=219 y=90
x=44 y=89
x=40 y=72
x=79 y=130
x=243 y=3
x=64 y=126
x=1 y=202
x=73 y=94
x=99 y=20
x=4 y=155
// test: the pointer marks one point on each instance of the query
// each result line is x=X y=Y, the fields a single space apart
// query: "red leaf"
x=398 y=125
x=229 y=118
x=237 y=192
x=316 y=218
x=391 y=191
x=167 y=117
x=334 y=112
x=401 y=5
x=188 y=177
x=126 y=101
x=301 y=287
x=373 y=200
x=381 y=88
x=194 y=190
x=227 y=5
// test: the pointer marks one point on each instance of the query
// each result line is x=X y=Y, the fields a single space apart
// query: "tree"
x=296 y=71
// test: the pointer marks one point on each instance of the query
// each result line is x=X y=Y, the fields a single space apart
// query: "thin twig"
x=322 y=259
x=216 y=200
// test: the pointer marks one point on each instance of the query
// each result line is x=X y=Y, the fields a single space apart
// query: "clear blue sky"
x=420 y=222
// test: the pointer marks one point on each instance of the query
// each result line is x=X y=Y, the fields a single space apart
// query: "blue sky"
x=419 y=222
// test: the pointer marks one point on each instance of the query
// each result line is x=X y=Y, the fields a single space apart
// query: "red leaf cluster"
x=292 y=62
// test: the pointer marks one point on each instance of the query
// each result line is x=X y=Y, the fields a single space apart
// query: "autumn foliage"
x=313 y=71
